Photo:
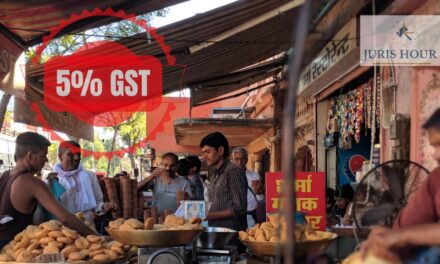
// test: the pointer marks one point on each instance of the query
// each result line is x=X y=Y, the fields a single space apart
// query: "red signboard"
x=310 y=195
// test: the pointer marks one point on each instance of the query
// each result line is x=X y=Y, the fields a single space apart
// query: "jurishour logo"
x=399 y=54
x=403 y=31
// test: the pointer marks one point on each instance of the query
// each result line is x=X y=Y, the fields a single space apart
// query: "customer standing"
x=82 y=191
x=240 y=158
x=194 y=177
x=166 y=185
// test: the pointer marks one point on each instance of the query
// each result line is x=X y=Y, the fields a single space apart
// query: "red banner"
x=310 y=195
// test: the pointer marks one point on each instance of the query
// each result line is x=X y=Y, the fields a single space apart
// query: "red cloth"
x=424 y=205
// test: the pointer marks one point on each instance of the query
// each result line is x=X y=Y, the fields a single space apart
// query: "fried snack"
x=58 y=223
x=149 y=223
x=85 y=252
x=18 y=252
x=266 y=225
x=55 y=234
x=117 y=249
x=273 y=239
x=37 y=252
x=195 y=220
x=5 y=257
x=72 y=234
x=136 y=224
x=82 y=243
x=94 y=239
x=173 y=221
x=75 y=256
x=25 y=256
x=51 y=226
x=65 y=240
x=187 y=226
x=56 y=244
x=116 y=244
x=261 y=237
x=276 y=221
x=101 y=257
x=96 y=252
x=258 y=232
x=21 y=245
x=370 y=258
x=126 y=227
x=46 y=240
x=267 y=231
x=34 y=241
x=111 y=254
x=116 y=223
x=40 y=233
x=95 y=246
x=51 y=250
x=18 y=237
x=68 y=250
x=243 y=235
x=30 y=231
x=33 y=246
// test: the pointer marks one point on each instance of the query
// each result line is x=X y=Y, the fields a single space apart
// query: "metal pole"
x=299 y=34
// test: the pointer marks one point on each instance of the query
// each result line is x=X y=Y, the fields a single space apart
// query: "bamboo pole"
x=299 y=35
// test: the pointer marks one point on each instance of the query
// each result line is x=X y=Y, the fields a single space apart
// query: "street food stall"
x=215 y=71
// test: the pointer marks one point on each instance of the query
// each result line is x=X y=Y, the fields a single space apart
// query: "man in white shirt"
x=82 y=193
x=240 y=158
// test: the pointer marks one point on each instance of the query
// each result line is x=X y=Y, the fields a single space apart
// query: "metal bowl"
x=154 y=238
x=215 y=237
x=302 y=248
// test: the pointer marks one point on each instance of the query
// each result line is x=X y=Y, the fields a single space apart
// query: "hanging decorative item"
x=378 y=101
x=351 y=111
x=359 y=113
x=367 y=105
x=332 y=128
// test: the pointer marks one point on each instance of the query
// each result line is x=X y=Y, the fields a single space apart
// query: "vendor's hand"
x=380 y=242
x=110 y=206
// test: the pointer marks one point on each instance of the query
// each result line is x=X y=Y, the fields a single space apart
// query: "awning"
x=24 y=23
x=37 y=17
x=239 y=132
x=221 y=85
x=245 y=48
x=63 y=122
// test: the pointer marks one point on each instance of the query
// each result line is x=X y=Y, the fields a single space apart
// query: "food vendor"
x=417 y=223
x=20 y=191
x=228 y=187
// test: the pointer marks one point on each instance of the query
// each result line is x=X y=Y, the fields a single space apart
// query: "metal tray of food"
x=155 y=238
x=302 y=248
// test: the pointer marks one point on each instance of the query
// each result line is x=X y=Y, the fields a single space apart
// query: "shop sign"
x=310 y=196
x=341 y=44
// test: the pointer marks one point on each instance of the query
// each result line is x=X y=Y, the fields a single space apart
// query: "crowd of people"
x=70 y=190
